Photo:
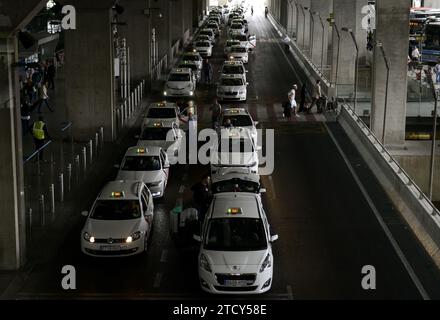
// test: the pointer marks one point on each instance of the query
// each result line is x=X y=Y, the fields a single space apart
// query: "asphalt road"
x=327 y=229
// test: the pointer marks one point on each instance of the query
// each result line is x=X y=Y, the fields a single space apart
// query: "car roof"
x=120 y=190
x=246 y=202
x=236 y=133
x=229 y=173
x=181 y=70
x=238 y=46
x=143 y=151
x=231 y=76
x=192 y=53
x=235 y=111
x=162 y=105
x=233 y=63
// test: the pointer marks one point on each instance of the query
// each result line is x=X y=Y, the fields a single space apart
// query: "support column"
x=392 y=22
x=163 y=26
x=348 y=13
x=303 y=24
x=284 y=13
x=323 y=7
x=89 y=66
x=177 y=18
x=137 y=32
x=291 y=17
x=12 y=208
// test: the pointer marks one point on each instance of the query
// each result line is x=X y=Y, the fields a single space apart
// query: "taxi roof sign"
x=118 y=194
x=234 y=211
x=157 y=124
x=140 y=150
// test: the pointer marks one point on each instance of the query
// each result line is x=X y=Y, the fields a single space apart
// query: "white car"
x=235 y=149
x=239 y=52
x=208 y=32
x=228 y=45
x=193 y=66
x=236 y=180
x=232 y=87
x=193 y=56
x=249 y=42
x=203 y=37
x=149 y=165
x=119 y=222
x=234 y=67
x=168 y=138
x=203 y=47
x=166 y=113
x=180 y=83
x=236 y=28
x=240 y=118
x=212 y=24
x=235 y=254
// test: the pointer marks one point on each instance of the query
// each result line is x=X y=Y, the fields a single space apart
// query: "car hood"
x=234 y=158
x=231 y=88
x=145 y=176
x=239 y=258
x=116 y=229
x=166 y=122
x=156 y=143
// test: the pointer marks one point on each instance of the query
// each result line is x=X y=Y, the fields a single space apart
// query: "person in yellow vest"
x=40 y=134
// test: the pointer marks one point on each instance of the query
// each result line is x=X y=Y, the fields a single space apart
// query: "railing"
x=128 y=108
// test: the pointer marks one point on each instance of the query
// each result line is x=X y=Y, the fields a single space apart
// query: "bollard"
x=52 y=199
x=38 y=165
x=90 y=152
x=101 y=134
x=96 y=143
x=61 y=181
x=62 y=156
x=137 y=96
x=126 y=110
x=30 y=223
x=69 y=177
x=72 y=144
x=42 y=211
x=84 y=159
x=77 y=168
x=52 y=168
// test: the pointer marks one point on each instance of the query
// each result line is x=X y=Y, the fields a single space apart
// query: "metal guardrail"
x=399 y=171
x=36 y=152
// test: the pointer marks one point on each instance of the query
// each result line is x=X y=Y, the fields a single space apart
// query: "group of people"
x=306 y=102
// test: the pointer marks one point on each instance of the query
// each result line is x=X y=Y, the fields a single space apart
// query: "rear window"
x=190 y=57
x=238 y=49
x=232 y=82
x=160 y=113
x=155 y=134
x=116 y=210
x=240 y=37
x=191 y=66
x=141 y=163
x=239 y=120
x=179 y=77
x=233 y=70
x=203 y=44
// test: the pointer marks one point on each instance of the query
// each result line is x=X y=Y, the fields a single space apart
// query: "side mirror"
x=247 y=71
x=256 y=123
x=166 y=166
x=116 y=166
x=137 y=136
x=247 y=83
x=273 y=238
x=197 y=237
x=263 y=190
x=85 y=214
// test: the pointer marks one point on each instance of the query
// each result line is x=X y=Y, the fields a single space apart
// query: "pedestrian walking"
x=415 y=55
x=51 y=75
x=25 y=111
x=202 y=196
x=207 y=71
x=304 y=99
x=292 y=99
x=44 y=97
x=216 y=110
x=437 y=72
x=317 y=94
x=40 y=134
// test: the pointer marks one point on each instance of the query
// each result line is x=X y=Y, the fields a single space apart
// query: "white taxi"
x=239 y=118
x=235 y=149
x=228 y=45
x=149 y=165
x=239 y=52
x=119 y=222
x=204 y=47
x=235 y=254
x=193 y=66
x=248 y=41
x=180 y=83
x=236 y=180
x=232 y=87
x=164 y=112
x=208 y=32
x=193 y=56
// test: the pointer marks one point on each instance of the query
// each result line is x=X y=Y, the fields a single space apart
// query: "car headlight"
x=164 y=93
x=267 y=263
x=191 y=93
x=135 y=236
x=88 y=237
x=241 y=92
x=204 y=263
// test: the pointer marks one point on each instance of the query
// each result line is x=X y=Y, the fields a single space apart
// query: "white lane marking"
x=181 y=189
x=290 y=292
x=272 y=187
x=163 y=257
x=157 y=280
x=379 y=218
x=262 y=112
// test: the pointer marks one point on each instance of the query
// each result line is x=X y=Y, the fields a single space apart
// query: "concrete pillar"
x=303 y=24
x=137 y=32
x=177 y=18
x=197 y=12
x=392 y=22
x=163 y=26
x=283 y=13
x=320 y=47
x=348 y=13
x=291 y=18
x=90 y=79
x=12 y=208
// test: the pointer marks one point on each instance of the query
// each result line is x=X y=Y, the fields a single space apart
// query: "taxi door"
x=165 y=165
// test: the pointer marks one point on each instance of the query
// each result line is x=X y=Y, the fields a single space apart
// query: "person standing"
x=292 y=99
x=317 y=94
x=40 y=134
x=207 y=71
x=44 y=97
x=202 y=196
x=51 y=75
x=266 y=11
x=304 y=98
x=415 y=55
x=25 y=116
x=216 y=110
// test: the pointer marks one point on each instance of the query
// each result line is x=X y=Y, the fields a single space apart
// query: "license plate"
x=110 y=248
x=236 y=283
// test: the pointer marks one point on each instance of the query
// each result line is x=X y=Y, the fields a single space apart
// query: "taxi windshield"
x=235 y=185
x=238 y=120
x=161 y=113
x=235 y=234
x=232 y=43
x=141 y=163
x=116 y=210
x=179 y=77
x=202 y=44
x=190 y=57
x=208 y=33
x=232 y=82
x=240 y=37
x=238 y=49
x=155 y=134
x=191 y=66
x=233 y=70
